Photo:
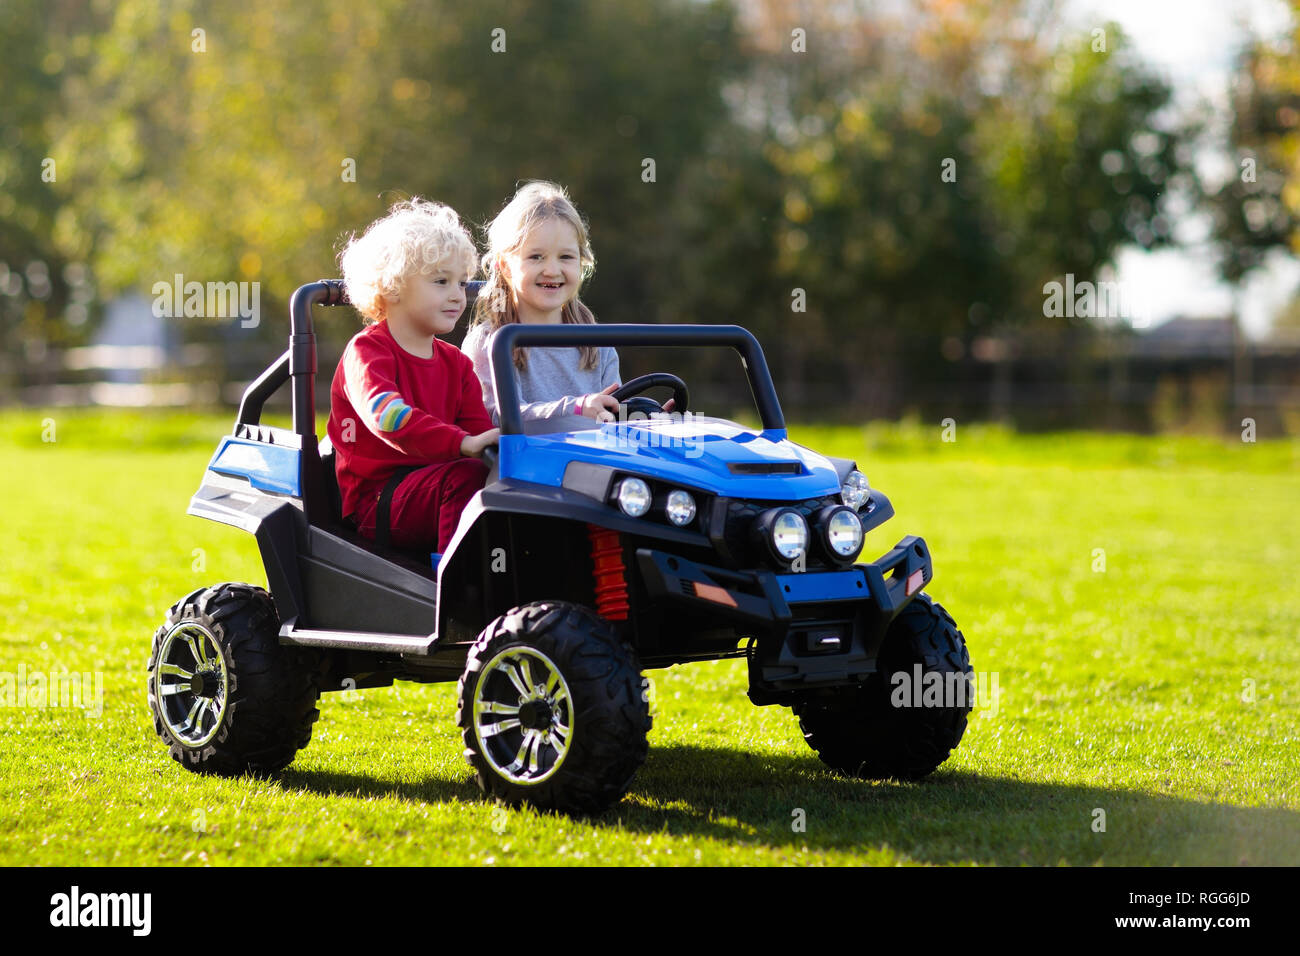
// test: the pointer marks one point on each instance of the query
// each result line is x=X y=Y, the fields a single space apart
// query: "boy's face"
x=545 y=270
x=431 y=304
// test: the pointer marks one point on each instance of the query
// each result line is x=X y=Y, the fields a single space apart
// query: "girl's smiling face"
x=545 y=270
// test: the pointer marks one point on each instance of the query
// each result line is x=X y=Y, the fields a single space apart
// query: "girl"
x=538 y=257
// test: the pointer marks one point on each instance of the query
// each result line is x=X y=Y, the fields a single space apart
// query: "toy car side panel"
x=351 y=588
x=519 y=541
x=276 y=522
x=317 y=578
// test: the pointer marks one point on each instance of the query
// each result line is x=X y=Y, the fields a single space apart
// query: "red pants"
x=427 y=505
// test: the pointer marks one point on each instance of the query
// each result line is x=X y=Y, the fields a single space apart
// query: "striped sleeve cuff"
x=389 y=411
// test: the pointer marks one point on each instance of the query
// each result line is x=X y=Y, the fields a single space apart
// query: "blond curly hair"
x=415 y=238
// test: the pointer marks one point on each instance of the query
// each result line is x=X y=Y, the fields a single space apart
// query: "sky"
x=1193 y=43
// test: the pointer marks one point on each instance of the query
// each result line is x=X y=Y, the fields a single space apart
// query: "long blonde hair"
x=534 y=203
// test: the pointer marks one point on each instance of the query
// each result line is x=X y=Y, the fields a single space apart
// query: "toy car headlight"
x=790 y=535
x=841 y=531
x=855 y=489
x=680 y=508
x=783 y=531
x=633 y=497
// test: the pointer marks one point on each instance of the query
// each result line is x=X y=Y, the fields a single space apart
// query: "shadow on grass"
x=331 y=783
x=743 y=799
x=949 y=817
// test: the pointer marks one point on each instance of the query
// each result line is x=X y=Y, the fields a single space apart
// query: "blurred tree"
x=209 y=139
x=919 y=179
x=1256 y=210
x=43 y=294
x=871 y=190
x=226 y=142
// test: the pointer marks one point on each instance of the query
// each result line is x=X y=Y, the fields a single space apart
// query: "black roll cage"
x=299 y=361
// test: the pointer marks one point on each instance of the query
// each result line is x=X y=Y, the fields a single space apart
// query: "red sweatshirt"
x=389 y=408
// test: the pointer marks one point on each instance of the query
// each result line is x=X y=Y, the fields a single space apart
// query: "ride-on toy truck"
x=594 y=551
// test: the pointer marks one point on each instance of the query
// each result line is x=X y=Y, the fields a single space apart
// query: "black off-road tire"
x=260 y=696
x=865 y=735
x=603 y=706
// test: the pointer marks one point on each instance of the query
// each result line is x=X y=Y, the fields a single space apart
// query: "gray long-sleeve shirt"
x=552 y=383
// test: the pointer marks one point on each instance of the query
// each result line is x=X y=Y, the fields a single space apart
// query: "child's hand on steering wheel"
x=602 y=406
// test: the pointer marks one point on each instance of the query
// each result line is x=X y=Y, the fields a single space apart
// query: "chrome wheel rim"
x=523 y=715
x=190 y=684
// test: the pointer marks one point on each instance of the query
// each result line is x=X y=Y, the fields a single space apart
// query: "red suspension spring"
x=611 y=585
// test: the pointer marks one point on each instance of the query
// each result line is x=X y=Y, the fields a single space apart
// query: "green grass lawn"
x=1163 y=690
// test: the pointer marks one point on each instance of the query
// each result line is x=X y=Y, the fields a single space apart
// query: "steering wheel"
x=629 y=393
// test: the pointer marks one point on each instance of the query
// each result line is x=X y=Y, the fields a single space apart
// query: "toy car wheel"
x=878 y=731
x=552 y=709
x=226 y=697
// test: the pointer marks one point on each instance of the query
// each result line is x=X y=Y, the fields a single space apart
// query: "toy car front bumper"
x=772 y=599
x=811 y=632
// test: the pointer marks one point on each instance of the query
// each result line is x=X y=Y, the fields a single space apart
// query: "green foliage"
x=923 y=186
x=1256 y=209
x=238 y=161
x=38 y=280
x=919 y=180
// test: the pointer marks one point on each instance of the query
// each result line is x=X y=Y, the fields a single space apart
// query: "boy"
x=406 y=410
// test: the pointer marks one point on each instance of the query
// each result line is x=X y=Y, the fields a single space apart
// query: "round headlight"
x=842 y=532
x=855 y=489
x=633 y=497
x=790 y=535
x=681 y=508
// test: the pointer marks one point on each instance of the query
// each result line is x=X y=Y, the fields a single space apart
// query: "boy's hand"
x=471 y=446
x=602 y=406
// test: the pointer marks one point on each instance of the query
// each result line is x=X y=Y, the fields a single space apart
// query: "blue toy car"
x=592 y=553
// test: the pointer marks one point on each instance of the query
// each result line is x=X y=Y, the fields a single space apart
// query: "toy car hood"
x=710 y=454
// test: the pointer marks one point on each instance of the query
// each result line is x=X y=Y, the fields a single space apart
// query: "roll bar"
x=516 y=334
x=298 y=363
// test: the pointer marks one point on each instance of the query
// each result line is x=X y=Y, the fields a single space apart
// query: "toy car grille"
x=741 y=514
